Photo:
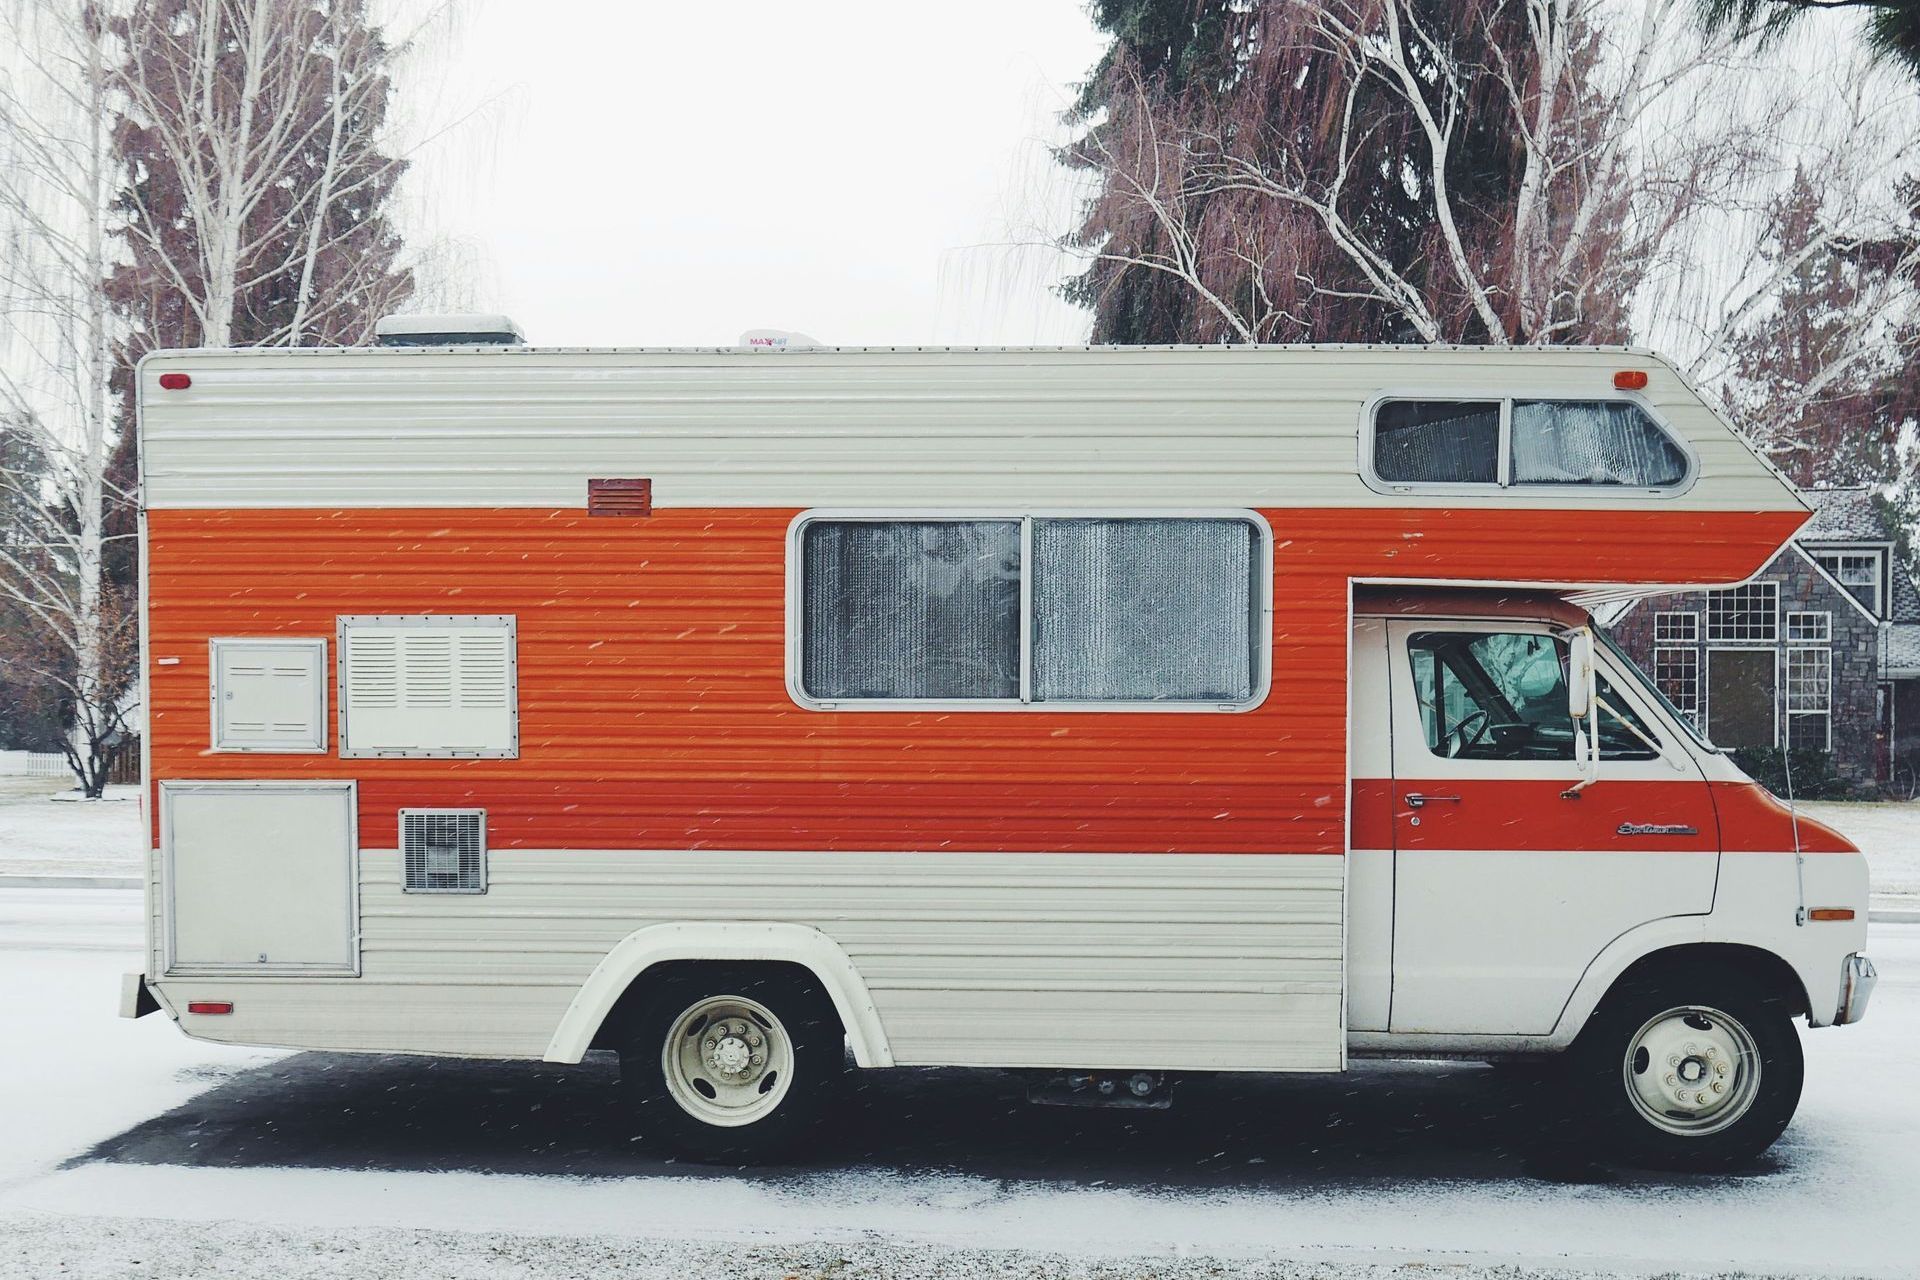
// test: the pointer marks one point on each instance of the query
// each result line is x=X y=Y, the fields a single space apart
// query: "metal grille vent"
x=444 y=850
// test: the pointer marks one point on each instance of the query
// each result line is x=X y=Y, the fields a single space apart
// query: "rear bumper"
x=1857 y=979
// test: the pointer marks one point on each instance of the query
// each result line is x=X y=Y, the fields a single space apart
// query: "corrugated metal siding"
x=653 y=705
x=995 y=960
x=1205 y=426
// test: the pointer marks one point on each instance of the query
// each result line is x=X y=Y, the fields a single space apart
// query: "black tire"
x=1721 y=1004
x=794 y=1005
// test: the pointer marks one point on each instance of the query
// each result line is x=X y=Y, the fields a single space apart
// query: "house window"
x=428 y=685
x=1676 y=628
x=1809 y=705
x=1523 y=442
x=1810 y=628
x=1676 y=673
x=1030 y=612
x=1749 y=614
x=1858 y=571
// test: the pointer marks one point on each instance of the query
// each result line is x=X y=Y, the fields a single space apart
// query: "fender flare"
x=1634 y=945
x=657 y=944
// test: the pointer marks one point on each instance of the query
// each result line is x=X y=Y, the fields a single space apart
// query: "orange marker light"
x=1830 y=913
x=175 y=382
x=1631 y=380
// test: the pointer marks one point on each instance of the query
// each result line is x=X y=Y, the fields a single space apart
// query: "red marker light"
x=1631 y=380
x=175 y=382
x=209 y=1006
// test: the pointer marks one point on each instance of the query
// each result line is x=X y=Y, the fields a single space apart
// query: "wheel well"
x=634 y=998
x=1773 y=974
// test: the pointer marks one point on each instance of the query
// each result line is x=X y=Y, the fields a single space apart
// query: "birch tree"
x=260 y=166
x=57 y=363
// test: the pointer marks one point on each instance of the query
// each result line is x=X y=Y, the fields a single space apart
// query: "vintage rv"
x=1112 y=714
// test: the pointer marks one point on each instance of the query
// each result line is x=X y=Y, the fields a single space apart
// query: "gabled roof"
x=1900 y=654
x=1843 y=515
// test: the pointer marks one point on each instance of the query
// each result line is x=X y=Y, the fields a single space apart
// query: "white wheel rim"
x=1692 y=1071
x=727 y=1061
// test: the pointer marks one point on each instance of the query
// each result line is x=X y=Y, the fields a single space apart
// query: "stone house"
x=1820 y=651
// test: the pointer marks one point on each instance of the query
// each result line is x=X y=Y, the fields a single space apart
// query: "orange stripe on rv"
x=653 y=704
x=1522 y=814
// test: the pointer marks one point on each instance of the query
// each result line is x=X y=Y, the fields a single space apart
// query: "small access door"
x=259 y=878
x=1507 y=881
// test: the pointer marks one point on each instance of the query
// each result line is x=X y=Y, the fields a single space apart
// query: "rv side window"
x=1503 y=443
x=912 y=609
x=1437 y=441
x=1504 y=697
x=1607 y=442
x=1032 y=611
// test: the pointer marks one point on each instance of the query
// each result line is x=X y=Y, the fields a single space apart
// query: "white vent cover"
x=428 y=685
x=269 y=694
x=444 y=850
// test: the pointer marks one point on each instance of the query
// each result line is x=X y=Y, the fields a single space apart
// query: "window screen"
x=1127 y=610
x=1110 y=610
x=911 y=609
x=1437 y=441
x=1597 y=442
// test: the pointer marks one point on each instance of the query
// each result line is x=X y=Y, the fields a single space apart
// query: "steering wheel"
x=1472 y=727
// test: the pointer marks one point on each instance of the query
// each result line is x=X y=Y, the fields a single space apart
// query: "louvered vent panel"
x=428 y=685
x=444 y=850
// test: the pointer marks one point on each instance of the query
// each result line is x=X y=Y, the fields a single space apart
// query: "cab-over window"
x=1609 y=443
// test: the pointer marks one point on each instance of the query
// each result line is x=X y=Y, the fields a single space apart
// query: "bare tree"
x=1535 y=148
x=57 y=362
x=262 y=164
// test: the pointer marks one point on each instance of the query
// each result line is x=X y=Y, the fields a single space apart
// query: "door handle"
x=1417 y=799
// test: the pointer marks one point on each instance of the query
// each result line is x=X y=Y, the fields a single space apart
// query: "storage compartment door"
x=260 y=877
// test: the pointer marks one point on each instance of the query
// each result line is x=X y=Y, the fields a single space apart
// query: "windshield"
x=1628 y=667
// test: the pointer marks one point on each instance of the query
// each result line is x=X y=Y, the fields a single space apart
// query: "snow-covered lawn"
x=44 y=835
x=1828 y=1204
x=1887 y=832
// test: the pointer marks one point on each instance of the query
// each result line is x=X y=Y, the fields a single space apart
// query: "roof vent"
x=448 y=331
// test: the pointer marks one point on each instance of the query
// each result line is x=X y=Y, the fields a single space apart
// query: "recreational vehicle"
x=1108 y=714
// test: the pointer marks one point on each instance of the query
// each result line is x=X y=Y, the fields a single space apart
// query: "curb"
x=69 y=882
x=1893 y=915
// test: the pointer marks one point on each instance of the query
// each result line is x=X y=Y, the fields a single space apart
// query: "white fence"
x=32 y=764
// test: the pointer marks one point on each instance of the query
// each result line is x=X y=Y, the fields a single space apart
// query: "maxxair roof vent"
x=448 y=331
x=444 y=850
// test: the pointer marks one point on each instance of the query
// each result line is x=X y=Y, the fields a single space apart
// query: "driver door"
x=1505 y=885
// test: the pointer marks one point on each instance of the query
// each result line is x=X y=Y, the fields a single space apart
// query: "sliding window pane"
x=1437 y=441
x=911 y=609
x=1144 y=610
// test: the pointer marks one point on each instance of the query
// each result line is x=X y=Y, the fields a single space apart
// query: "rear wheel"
x=733 y=1062
x=1692 y=1071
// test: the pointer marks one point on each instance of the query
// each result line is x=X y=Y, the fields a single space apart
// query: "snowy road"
x=126 y=1149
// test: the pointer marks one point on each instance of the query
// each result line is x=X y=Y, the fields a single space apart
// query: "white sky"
x=675 y=174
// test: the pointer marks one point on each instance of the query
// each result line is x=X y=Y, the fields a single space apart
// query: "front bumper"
x=1857 y=978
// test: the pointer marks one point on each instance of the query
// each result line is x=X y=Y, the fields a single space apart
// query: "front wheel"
x=733 y=1063
x=1693 y=1072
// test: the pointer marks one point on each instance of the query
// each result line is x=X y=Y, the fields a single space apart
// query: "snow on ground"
x=1888 y=833
x=44 y=835
x=71 y=1075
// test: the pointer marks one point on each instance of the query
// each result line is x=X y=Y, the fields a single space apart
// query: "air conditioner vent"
x=444 y=850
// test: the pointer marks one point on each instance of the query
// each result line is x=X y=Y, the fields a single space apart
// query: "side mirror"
x=1580 y=674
